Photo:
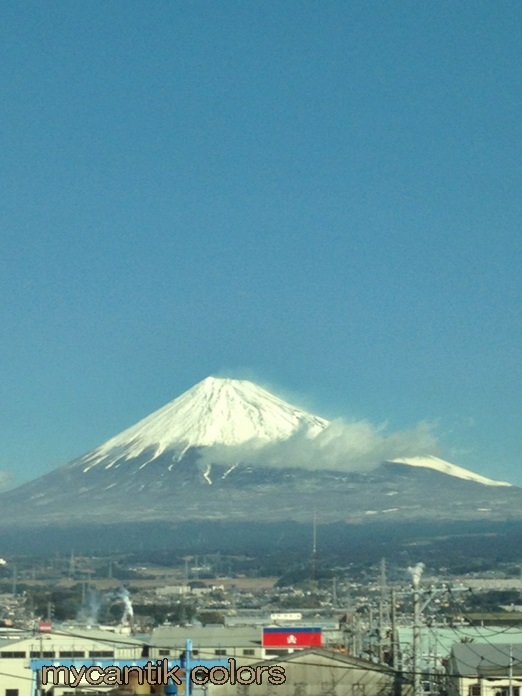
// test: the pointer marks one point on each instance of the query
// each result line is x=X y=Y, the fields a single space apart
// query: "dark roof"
x=485 y=659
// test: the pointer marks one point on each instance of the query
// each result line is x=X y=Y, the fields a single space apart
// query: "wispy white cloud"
x=342 y=446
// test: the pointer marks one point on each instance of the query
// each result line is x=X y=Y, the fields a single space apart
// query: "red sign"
x=287 y=637
x=44 y=627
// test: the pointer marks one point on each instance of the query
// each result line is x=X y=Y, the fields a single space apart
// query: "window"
x=164 y=653
x=220 y=651
x=15 y=653
x=474 y=690
x=249 y=651
x=101 y=653
x=71 y=653
x=11 y=692
x=41 y=653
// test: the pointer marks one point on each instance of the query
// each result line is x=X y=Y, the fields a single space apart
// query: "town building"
x=485 y=669
x=58 y=648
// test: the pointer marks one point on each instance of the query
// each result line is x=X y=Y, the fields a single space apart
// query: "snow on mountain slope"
x=228 y=413
x=213 y=412
x=450 y=469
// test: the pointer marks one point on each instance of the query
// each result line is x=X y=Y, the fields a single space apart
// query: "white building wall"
x=15 y=672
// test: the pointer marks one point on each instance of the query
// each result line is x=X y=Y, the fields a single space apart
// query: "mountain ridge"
x=228 y=412
x=175 y=464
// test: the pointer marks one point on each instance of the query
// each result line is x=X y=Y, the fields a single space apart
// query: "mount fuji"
x=215 y=412
x=224 y=450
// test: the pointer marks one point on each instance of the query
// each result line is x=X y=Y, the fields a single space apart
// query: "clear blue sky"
x=324 y=196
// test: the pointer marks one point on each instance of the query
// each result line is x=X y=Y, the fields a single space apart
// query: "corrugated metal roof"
x=97 y=634
x=485 y=659
x=348 y=660
x=444 y=637
x=206 y=636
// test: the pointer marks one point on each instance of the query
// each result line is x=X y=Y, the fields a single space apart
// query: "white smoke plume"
x=90 y=608
x=416 y=573
x=128 y=611
x=341 y=446
x=95 y=602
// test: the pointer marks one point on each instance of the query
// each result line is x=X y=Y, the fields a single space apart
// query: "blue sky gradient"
x=322 y=196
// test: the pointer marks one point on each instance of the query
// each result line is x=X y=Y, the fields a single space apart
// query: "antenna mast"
x=314 y=546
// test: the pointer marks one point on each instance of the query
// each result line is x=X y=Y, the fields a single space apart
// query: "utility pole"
x=431 y=672
x=370 y=631
x=418 y=608
x=382 y=604
x=381 y=631
x=416 y=574
x=510 y=669
x=435 y=673
x=394 y=656
x=416 y=642
x=356 y=637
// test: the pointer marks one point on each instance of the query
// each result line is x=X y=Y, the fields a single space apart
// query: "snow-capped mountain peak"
x=223 y=412
x=229 y=450
x=216 y=411
x=450 y=469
